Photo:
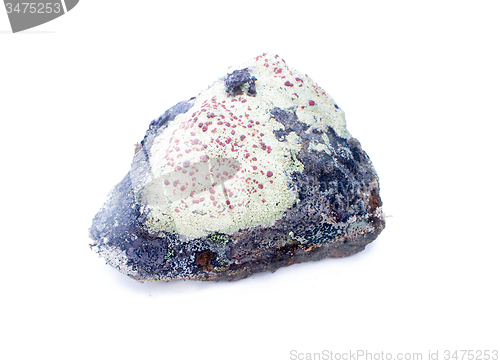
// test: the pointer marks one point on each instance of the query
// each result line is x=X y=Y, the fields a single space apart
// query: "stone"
x=255 y=173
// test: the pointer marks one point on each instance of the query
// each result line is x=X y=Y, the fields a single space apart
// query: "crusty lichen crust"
x=239 y=129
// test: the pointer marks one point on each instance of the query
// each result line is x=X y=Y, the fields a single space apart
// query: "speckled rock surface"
x=255 y=173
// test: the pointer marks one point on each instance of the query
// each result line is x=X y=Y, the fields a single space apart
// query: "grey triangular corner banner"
x=70 y=4
x=25 y=15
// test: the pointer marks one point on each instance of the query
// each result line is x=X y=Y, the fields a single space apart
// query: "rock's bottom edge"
x=294 y=253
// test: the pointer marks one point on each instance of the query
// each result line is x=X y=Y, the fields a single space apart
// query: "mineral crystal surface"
x=255 y=173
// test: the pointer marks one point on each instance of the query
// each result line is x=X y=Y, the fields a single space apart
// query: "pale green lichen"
x=218 y=239
x=170 y=254
x=198 y=215
x=319 y=147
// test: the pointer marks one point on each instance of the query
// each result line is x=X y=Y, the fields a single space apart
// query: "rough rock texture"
x=255 y=173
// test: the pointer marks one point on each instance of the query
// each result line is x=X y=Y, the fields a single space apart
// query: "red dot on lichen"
x=167 y=182
x=186 y=164
x=242 y=137
x=311 y=103
x=288 y=83
x=228 y=202
x=261 y=186
x=269 y=174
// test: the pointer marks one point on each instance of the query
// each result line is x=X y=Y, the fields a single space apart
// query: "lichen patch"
x=210 y=168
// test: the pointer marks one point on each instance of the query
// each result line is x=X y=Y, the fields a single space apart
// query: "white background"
x=419 y=82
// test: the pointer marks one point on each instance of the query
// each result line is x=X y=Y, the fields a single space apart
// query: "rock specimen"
x=255 y=173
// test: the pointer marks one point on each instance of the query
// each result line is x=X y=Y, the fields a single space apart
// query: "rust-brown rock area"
x=335 y=208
